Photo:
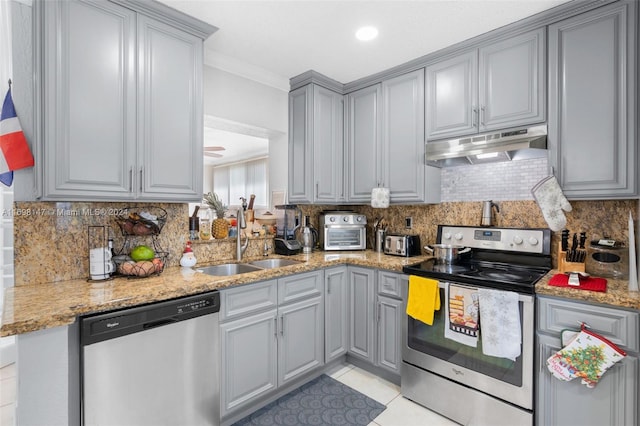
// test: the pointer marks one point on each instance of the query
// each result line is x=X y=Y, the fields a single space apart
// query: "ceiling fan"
x=208 y=151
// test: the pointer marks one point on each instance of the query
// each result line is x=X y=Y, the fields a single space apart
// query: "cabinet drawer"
x=300 y=287
x=239 y=301
x=389 y=283
x=617 y=325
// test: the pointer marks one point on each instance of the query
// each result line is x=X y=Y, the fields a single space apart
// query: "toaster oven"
x=342 y=230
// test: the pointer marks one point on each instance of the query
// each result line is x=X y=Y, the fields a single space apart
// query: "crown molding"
x=243 y=69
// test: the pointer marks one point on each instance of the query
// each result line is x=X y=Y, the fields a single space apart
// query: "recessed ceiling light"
x=366 y=33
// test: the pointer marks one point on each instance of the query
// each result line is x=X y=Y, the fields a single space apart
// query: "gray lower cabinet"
x=272 y=333
x=497 y=86
x=336 y=336
x=592 y=109
x=614 y=399
x=375 y=317
x=390 y=311
x=361 y=313
x=316 y=146
x=121 y=104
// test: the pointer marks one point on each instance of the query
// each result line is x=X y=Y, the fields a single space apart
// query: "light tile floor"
x=399 y=412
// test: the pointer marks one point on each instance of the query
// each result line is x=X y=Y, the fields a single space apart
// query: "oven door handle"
x=524 y=298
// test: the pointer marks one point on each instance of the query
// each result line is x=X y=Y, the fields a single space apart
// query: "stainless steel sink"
x=273 y=263
x=229 y=269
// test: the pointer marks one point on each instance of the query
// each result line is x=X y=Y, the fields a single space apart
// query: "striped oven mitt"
x=588 y=355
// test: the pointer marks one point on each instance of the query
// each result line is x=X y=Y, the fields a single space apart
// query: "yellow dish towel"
x=424 y=299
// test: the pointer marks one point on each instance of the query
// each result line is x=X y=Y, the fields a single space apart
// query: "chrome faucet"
x=240 y=225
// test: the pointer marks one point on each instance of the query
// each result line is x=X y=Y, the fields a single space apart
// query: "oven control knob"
x=447 y=235
x=345 y=219
x=358 y=218
x=458 y=236
x=332 y=219
x=517 y=240
x=533 y=241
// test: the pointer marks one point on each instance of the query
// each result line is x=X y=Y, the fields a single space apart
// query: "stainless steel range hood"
x=515 y=144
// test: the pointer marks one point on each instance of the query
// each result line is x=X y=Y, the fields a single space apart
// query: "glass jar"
x=205 y=214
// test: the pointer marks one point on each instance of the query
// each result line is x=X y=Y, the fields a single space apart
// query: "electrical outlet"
x=408 y=222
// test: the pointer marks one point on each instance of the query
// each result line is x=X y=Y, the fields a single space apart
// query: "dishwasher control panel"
x=97 y=328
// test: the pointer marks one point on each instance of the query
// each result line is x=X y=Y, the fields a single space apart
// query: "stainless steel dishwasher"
x=155 y=364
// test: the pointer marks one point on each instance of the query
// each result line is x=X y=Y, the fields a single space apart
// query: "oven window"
x=430 y=340
x=344 y=237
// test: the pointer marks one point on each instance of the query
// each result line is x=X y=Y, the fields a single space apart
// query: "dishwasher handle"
x=159 y=323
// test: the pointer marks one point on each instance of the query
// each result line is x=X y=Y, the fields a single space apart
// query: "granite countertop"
x=36 y=307
x=617 y=294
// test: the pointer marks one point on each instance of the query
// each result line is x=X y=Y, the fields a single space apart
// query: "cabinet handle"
x=317 y=184
x=482 y=115
x=130 y=179
x=275 y=327
x=328 y=287
x=377 y=313
x=140 y=179
x=474 y=112
x=282 y=325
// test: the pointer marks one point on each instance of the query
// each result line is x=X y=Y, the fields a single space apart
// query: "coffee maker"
x=288 y=218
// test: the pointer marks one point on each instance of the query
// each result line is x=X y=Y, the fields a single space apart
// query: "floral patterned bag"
x=588 y=355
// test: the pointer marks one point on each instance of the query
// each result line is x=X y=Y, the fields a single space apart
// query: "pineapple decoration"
x=219 y=227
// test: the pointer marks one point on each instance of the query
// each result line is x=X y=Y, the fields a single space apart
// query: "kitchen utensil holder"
x=565 y=266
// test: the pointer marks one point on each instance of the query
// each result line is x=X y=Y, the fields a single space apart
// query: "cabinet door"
x=402 y=152
x=361 y=307
x=335 y=313
x=170 y=132
x=592 y=85
x=452 y=96
x=389 y=322
x=301 y=345
x=364 y=143
x=300 y=147
x=328 y=146
x=89 y=112
x=248 y=360
x=612 y=402
x=512 y=82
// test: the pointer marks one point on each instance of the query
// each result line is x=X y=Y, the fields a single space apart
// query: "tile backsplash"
x=511 y=180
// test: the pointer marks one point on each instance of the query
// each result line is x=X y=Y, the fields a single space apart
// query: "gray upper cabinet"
x=592 y=114
x=497 y=86
x=402 y=154
x=122 y=105
x=364 y=142
x=170 y=129
x=386 y=141
x=452 y=96
x=316 y=147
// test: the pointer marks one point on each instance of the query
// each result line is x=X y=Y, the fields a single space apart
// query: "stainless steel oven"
x=457 y=380
x=343 y=230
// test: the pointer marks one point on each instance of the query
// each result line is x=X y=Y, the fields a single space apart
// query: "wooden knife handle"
x=251 y=200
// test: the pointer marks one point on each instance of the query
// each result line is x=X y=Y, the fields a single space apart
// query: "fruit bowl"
x=141 y=221
x=126 y=266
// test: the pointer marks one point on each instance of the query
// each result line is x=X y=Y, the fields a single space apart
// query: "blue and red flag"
x=13 y=145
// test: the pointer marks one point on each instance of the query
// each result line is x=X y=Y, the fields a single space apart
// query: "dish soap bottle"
x=188 y=258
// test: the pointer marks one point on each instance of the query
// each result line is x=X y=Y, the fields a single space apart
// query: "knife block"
x=564 y=266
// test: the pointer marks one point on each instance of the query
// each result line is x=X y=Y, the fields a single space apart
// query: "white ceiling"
x=277 y=40
x=272 y=41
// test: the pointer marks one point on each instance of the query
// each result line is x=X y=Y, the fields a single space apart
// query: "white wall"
x=241 y=100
